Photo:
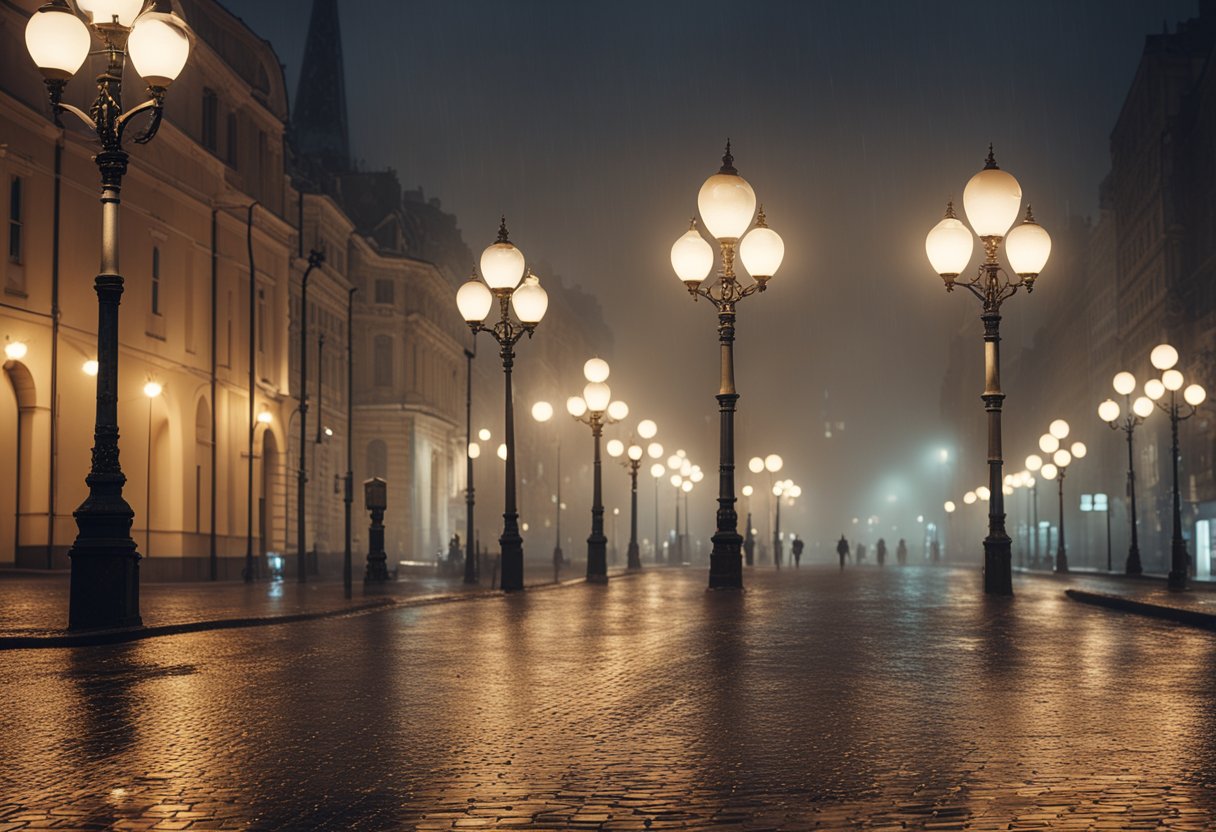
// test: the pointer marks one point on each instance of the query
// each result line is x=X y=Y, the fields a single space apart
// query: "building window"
x=155 y=280
x=384 y=291
x=211 y=115
x=382 y=361
x=14 y=219
x=232 y=142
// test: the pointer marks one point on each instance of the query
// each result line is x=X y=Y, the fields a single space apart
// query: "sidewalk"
x=1195 y=607
x=33 y=608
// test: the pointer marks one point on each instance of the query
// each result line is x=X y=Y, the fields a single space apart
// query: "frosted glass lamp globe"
x=992 y=200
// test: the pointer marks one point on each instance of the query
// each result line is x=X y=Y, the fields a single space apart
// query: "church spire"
x=319 y=123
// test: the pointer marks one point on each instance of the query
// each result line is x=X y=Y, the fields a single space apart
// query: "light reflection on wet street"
x=893 y=699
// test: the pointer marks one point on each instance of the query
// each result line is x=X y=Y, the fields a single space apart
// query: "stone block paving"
x=879 y=700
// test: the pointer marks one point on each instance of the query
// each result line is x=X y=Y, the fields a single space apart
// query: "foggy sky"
x=592 y=125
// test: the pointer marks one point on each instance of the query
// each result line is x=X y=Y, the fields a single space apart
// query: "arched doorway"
x=17 y=401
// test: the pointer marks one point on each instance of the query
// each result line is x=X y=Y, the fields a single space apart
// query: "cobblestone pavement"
x=1200 y=597
x=32 y=604
x=893 y=699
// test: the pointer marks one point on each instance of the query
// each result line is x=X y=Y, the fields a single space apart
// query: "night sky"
x=592 y=126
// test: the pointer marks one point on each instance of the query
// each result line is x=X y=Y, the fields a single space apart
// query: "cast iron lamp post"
x=772 y=464
x=595 y=408
x=543 y=412
x=749 y=541
x=1034 y=465
x=315 y=259
x=105 y=560
x=1061 y=458
x=152 y=389
x=727 y=206
x=502 y=264
x=631 y=458
x=992 y=200
x=1137 y=411
x=657 y=471
x=1164 y=357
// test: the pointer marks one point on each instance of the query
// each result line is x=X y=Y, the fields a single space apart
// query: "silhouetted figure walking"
x=842 y=549
x=881 y=552
x=749 y=543
x=797 y=550
x=861 y=553
x=901 y=552
x=935 y=552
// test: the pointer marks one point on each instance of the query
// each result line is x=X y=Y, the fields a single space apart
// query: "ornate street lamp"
x=1164 y=357
x=772 y=464
x=631 y=458
x=749 y=539
x=992 y=199
x=542 y=412
x=502 y=264
x=315 y=259
x=1034 y=465
x=727 y=206
x=105 y=561
x=596 y=409
x=657 y=472
x=1137 y=411
x=1061 y=458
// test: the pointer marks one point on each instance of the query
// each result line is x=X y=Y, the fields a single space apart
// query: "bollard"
x=375 y=499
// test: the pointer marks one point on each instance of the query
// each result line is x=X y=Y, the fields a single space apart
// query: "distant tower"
x=319 y=125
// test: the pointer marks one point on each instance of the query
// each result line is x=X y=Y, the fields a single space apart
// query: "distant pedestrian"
x=935 y=552
x=749 y=544
x=861 y=553
x=842 y=549
x=797 y=550
x=901 y=553
x=881 y=552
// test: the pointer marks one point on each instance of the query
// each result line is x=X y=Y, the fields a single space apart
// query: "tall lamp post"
x=631 y=458
x=749 y=540
x=470 y=563
x=595 y=408
x=502 y=264
x=105 y=560
x=543 y=412
x=348 y=488
x=1061 y=458
x=992 y=200
x=727 y=205
x=315 y=259
x=1034 y=465
x=1137 y=411
x=1164 y=358
x=772 y=464
x=657 y=471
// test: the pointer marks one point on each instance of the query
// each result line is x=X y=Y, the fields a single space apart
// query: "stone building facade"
x=232 y=187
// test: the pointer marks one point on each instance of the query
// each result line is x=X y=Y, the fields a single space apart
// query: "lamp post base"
x=726 y=561
x=998 y=565
x=104 y=591
x=1134 y=567
x=512 y=576
x=1178 y=576
x=597 y=559
x=1061 y=561
x=633 y=557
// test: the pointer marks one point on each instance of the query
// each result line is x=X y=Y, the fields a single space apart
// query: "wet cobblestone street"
x=896 y=699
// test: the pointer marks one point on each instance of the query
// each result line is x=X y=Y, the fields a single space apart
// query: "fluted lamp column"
x=992 y=200
x=104 y=589
x=1113 y=414
x=595 y=408
x=503 y=267
x=1165 y=358
x=727 y=205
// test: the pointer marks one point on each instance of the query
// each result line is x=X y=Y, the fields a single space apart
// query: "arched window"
x=382 y=361
x=377 y=459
